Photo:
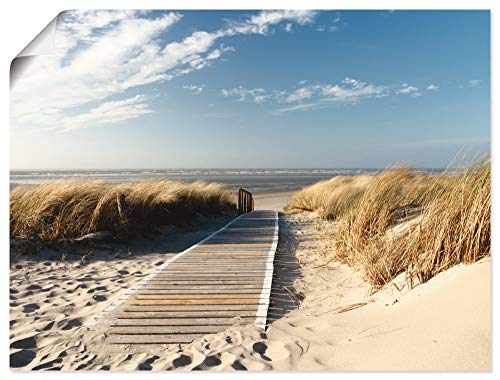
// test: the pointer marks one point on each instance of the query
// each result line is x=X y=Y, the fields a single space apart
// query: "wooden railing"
x=245 y=201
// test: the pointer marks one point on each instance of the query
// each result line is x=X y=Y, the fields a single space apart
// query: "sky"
x=255 y=89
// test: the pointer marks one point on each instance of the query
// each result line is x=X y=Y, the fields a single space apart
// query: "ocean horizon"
x=255 y=180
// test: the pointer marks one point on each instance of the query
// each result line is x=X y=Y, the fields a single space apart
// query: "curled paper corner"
x=42 y=44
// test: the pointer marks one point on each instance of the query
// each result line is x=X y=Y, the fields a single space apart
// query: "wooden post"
x=245 y=201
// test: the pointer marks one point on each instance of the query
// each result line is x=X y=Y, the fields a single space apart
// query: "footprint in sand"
x=100 y=298
x=79 y=286
x=97 y=289
x=146 y=365
x=34 y=287
x=70 y=324
x=238 y=366
x=25 y=343
x=49 y=365
x=210 y=361
x=21 y=358
x=123 y=272
x=31 y=307
x=182 y=361
x=48 y=326
x=261 y=349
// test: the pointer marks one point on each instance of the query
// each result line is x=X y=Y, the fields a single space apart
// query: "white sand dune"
x=322 y=315
x=443 y=324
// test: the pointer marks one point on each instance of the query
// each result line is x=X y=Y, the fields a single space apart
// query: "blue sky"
x=256 y=89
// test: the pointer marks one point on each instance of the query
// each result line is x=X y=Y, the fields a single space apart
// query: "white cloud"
x=306 y=96
x=194 y=89
x=261 y=22
x=332 y=27
x=255 y=95
x=349 y=90
x=407 y=89
x=297 y=107
x=100 y=54
x=432 y=87
x=300 y=94
x=107 y=113
x=473 y=82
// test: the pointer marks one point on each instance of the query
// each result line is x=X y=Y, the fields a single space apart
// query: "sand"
x=322 y=315
x=272 y=200
x=443 y=324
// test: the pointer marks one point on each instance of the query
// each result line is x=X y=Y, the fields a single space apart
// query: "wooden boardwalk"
x=221 y=281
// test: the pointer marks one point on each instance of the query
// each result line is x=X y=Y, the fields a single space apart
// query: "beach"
x=326 y=319
x=244 y=189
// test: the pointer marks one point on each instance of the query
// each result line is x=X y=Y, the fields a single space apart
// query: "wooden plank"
x=218 y=264
x=234 y=247
x=207 y=281
x=193 y=296
x=205 y=276
x=183 y=322
x=152 y=339
x=243 y=254
x=213 y=261
x=209 y=272
x=202 y=329
x=233 y=301
x=235 y=251
x=189 y=286
x=224 y=263
x=218 y=269
x=184 y=308
x=213 y=291
x=184 y=314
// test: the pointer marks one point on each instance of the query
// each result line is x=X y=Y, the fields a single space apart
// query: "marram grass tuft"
x=68 y=209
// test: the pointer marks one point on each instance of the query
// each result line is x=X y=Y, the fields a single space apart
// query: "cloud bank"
x=102 y=54
x=319 y=95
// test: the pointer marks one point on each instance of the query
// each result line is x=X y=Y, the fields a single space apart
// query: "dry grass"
x=69 y=209
x=333 y=198
x=402 y=221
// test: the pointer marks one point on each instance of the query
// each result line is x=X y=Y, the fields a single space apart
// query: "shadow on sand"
x=284 y=297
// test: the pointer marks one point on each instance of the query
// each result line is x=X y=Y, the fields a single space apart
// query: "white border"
x=22 y=20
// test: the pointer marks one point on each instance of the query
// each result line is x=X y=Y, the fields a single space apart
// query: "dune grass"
x=400 y=221
x=68 y=209
x=332 y=198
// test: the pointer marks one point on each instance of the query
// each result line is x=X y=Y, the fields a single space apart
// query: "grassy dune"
x=70 y=209
x=403 y=221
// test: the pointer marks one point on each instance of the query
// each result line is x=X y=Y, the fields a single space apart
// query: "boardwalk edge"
x=260 y=321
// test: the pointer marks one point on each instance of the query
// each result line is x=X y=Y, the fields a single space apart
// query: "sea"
x=254 y=180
